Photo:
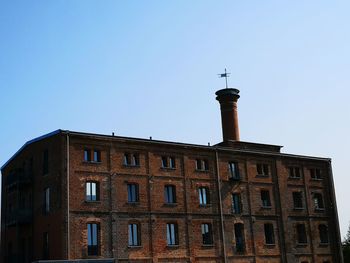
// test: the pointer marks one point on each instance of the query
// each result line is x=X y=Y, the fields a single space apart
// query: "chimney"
x=229 y=117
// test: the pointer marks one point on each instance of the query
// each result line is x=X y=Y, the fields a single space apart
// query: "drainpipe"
x=68 y=229
x=220 y=205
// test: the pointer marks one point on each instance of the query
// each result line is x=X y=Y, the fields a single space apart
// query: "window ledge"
x=294 y=178
x=298 y=208
x=263 y=175
x=266 y=207
x=134 y=247
x=131 y=166
x=167 y=168
x=316 y=179
x=302 y=244
x=92 y=202
x=172 y=246
x=132 y=203
x=207 y=245
x=319 y=210
x=92 y=162
x=270 y=245
x=170 y=204
x=201 y=171
x=205 y=205
x=324 y=244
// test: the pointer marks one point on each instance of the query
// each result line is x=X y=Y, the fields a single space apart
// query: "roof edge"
x=42 y=137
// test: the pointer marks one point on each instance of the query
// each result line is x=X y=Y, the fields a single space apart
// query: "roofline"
x=214 y=147
x=28 y=143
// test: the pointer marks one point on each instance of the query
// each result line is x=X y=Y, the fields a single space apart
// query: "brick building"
x=73 y=195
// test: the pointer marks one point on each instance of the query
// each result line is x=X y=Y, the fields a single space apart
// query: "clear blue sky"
x=149 y=68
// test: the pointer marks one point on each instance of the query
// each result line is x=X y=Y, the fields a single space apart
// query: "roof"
x=235 y=146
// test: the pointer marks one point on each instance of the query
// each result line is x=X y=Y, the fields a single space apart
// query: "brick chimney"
x=229 y=117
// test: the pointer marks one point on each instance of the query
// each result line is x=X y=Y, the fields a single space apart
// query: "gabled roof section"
x=29 y=143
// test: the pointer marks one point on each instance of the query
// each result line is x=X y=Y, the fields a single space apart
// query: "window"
x=134 y=235
x=301 y=234
x=298 y=200
x=93 y=239
x=323 y=232
x=172 y=234
x=207 y=234
x=236 y=204
x=170 y=194
x=315 y=174
x=87 y=155
x=265 y=198
x=46 y=162
x=233 y=170
x=96 y=156
x=133 y=193
x=262 y=169
x=239 y=237
x=168 y=162
x=131 y=159
x=318 y=201
x=269 y=234
x=203 y=193
x=45 y=245
x=46 y=206
x=294 y=172
x=202 y=165
x=92 y=191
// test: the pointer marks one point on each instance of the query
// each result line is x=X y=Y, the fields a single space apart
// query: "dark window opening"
x=207 y=234
x=170 y=194
x=168 y=162
x=93 y=239
x=265 y=198
x=294 y=172
x=92 y=191
x=45 y=245
x=323 y=232
x=239 y=237
x=134 y=235
x=87 y=155
x=301 y=234
x=133 y=193
x=172 y=234
x=318 y=201
x=97 y=156
x=298 y=200
x=233 y=170
x=202 y=165
x=315 y=174
x=131 y=159
x=263 y=169
x=204 y=196
x=236 y=204
x=46 y=201
x=269 y=234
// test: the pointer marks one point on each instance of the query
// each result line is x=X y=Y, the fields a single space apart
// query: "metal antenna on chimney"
x=225 y=75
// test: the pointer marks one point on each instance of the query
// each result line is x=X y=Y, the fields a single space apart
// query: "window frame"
x=204 y=195
x=301 y=234
x=318 y=201
x=265 y=203
x=323 y=234
x=94 y=248
x=133 y=193
x=134 y=235
x=233 y=169
x=269 y=234
x=237 y=206
x=298 y=200
x=172 y=235
x=47 y=198
x=169 y=194
x=294 y=172
x=89 y=188
x=207 y=234
x=239 y=227
x=263 y=169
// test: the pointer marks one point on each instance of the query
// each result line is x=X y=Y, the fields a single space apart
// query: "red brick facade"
x=113 y=213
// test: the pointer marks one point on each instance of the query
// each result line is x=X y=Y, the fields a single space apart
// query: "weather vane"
x=224 y=75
